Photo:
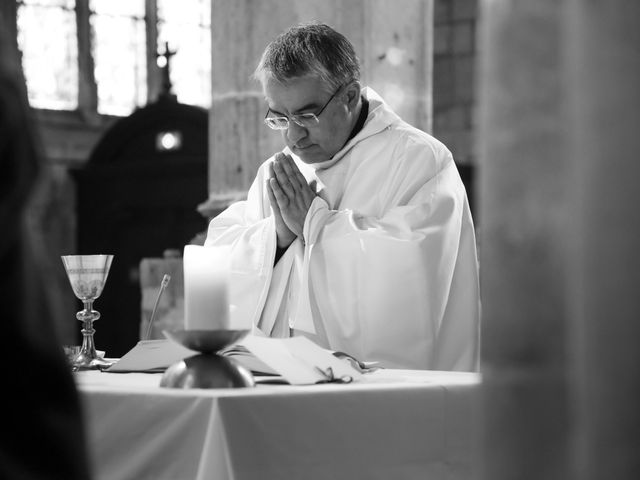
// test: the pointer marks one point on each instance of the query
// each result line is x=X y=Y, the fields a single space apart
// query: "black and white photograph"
x=320 y=239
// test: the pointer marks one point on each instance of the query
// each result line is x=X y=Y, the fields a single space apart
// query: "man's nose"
x=295 y=132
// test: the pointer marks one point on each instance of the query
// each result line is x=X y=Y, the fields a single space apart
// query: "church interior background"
x=124 y=122
x=149 y=132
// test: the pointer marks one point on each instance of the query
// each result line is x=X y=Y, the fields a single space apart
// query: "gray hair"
x=313 y=49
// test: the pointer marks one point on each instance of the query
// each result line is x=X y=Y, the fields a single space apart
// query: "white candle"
x=206 y=279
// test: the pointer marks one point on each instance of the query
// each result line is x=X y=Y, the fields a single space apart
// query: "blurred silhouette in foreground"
x=42 y=434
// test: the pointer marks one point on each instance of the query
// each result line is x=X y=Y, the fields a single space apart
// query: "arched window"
x=186 y=27
x=48 y=39
x=118 y=49
x=100 y=55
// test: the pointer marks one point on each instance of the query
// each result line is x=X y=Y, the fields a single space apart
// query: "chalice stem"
x=88 y=346
x=88 y=316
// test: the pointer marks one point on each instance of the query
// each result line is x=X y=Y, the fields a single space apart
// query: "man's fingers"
x=272 y=198
x=284 y=235
x=283 y=179
x=290 y=191
x=278 y=193
x=292 y=172
x=300 y=178
x=305 y=193
x=295 y=174
x=279 y=180
x=293 y=182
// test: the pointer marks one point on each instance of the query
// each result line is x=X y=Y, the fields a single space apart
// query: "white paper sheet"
x=300 y=361
x=151 y=356
x=297 y=360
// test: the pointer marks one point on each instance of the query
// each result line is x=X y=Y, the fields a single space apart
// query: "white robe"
x=388 y=268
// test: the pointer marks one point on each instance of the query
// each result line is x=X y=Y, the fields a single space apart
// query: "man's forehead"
x=297 y=94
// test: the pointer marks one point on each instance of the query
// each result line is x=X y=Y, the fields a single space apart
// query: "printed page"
x=151 y=356
x=300 y=361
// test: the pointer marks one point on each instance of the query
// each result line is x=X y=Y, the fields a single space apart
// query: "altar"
x=393 y=424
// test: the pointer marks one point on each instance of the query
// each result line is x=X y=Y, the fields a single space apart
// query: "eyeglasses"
x=305 y=120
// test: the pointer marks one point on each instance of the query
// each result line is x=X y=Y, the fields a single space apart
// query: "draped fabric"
x=42 y=433
x=387 y=269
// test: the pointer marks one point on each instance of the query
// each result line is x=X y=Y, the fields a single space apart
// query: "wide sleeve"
x=248 y=229
x=383 y=285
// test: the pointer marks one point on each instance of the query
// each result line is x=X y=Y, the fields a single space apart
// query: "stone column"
x=559 y=240
x=8 y=25
x=394 y=45
x=603 y=56
x=523 y=178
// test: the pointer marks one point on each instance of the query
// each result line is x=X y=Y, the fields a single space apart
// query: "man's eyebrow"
x=308 y=106
x=275 y=111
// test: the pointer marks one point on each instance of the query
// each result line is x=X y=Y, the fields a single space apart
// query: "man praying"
x=358 y=234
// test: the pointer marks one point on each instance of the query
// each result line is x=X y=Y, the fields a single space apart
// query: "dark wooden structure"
x=136 y=199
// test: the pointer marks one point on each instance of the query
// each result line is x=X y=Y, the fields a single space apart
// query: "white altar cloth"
x=396 y=424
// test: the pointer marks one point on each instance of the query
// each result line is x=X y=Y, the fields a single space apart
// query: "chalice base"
x=83 y=361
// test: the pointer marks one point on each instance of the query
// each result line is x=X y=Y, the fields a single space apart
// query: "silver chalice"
x=87 y=275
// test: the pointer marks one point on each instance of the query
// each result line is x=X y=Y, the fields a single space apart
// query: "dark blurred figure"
x=41 y=432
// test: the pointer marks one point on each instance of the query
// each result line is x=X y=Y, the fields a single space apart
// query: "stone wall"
x=454 y=73
x=394 y=46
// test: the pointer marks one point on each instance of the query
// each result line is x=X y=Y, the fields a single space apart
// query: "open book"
x=155 y=356
x=297 y=360
x=247 y=359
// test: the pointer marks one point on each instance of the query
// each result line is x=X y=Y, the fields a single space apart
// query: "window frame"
x=87 y=109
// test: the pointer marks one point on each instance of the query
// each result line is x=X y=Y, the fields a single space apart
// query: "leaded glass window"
x=108 y=38
x=119 y=54
x=186 y=27
x=47 y=37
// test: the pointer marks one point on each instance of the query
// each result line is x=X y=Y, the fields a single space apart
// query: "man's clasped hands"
x=290 y=197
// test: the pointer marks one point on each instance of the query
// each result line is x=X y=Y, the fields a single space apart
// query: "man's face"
x=319 y=142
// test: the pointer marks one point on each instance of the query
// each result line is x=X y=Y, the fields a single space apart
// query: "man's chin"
x=310 y=157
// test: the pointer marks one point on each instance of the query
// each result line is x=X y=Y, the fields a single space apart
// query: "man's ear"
x=353 y=94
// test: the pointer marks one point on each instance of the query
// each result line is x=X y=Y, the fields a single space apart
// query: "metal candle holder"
x=206 y=369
